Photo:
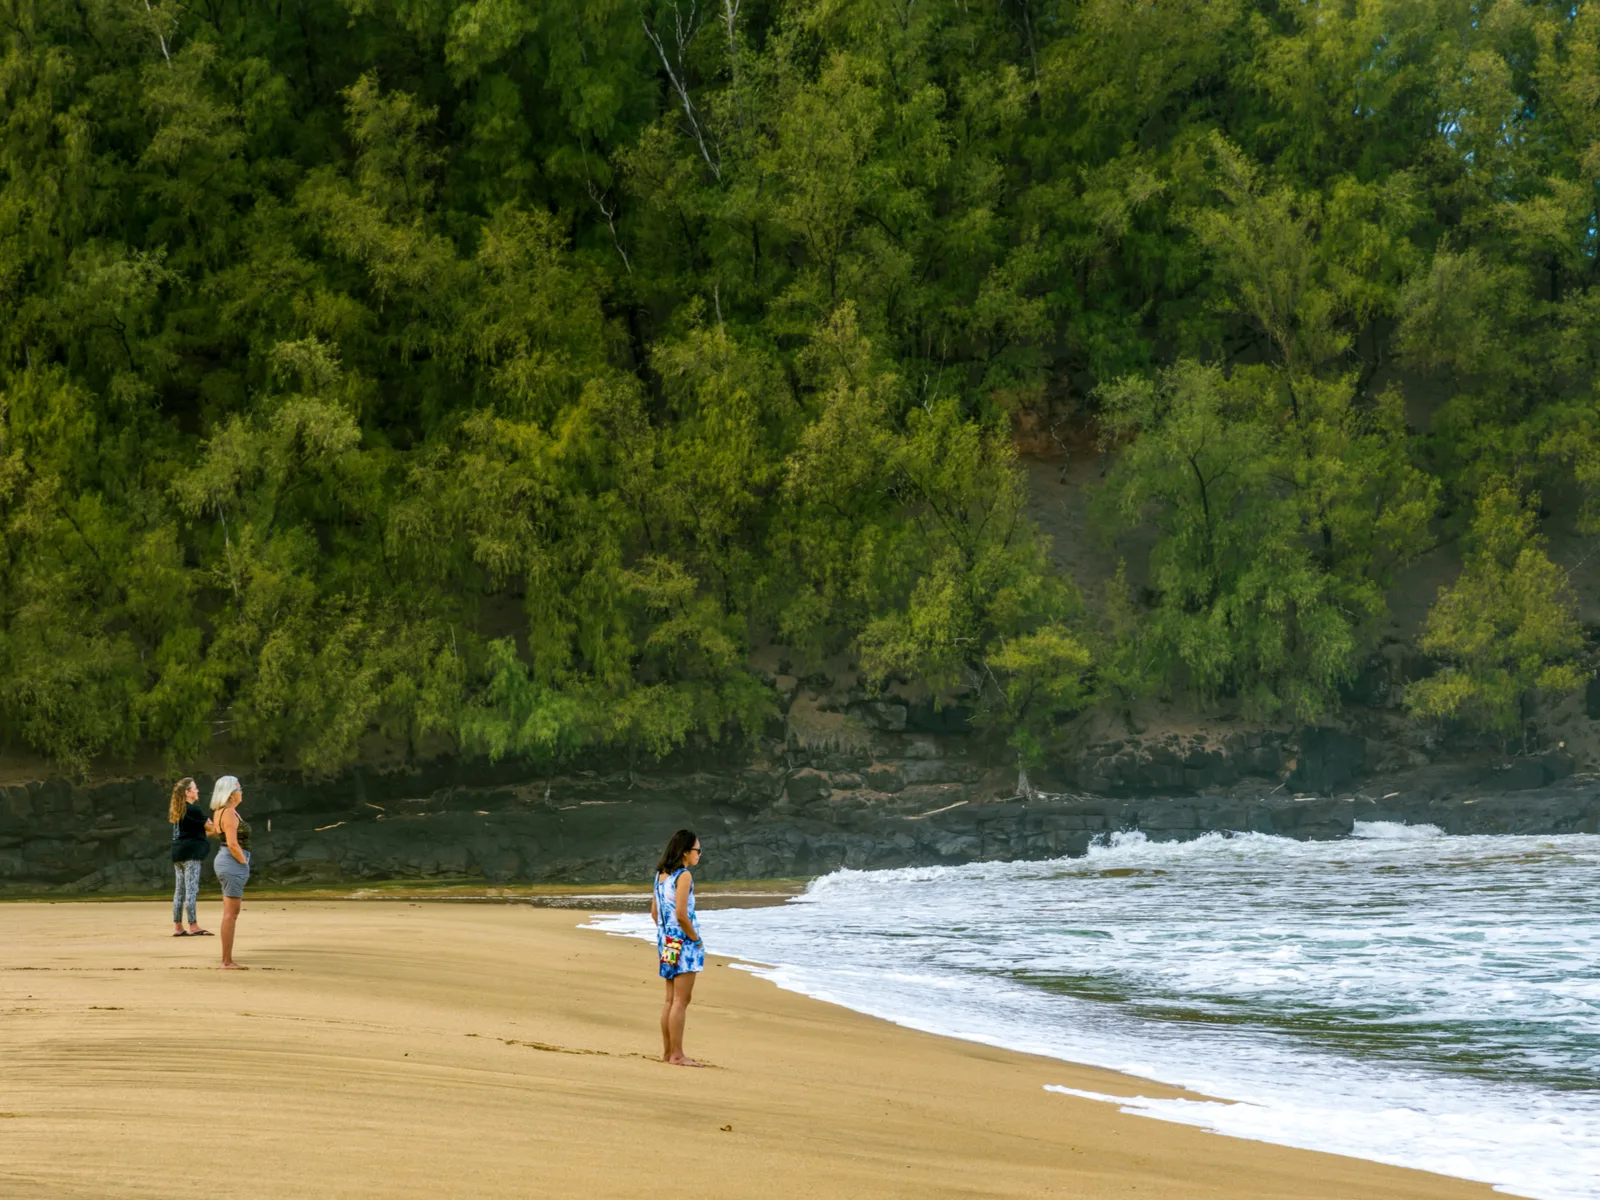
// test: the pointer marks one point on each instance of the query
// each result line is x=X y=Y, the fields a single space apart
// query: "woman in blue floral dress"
x=678 y=946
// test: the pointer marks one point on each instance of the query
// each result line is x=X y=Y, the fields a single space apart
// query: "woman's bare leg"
x=682 y=993
x=666 y=1028
x=230 y=916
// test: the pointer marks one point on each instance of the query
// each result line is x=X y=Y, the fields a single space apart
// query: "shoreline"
x=425 y=1049
x=740 y=893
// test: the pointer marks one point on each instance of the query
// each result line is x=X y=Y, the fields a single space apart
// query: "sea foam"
x=1401 y=996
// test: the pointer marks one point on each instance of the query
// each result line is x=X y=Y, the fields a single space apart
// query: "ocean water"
x=1401 y=996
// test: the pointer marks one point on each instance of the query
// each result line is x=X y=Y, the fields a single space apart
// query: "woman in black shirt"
x=189 y=850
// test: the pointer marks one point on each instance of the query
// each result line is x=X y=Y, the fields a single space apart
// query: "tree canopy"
x=505 y=372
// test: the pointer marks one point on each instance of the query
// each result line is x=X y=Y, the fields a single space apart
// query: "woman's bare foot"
x=233 y=967
x=680 y=1060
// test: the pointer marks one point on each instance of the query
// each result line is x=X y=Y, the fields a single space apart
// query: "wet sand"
x=424 y=1049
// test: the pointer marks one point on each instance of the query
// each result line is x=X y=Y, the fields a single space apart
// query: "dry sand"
x=392 y=1049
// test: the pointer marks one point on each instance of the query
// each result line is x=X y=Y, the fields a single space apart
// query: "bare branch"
x=607 y=207
x=730 y=17
x=685 y=29
x=160 y=37
x=608 y=210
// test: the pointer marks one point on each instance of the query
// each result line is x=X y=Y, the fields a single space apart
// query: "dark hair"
x=677 y=850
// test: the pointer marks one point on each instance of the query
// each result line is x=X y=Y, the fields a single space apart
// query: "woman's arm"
x=684 y=883
x=230 y=830
x=655 y=916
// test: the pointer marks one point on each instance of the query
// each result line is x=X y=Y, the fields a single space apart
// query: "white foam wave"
x=1395 y=831
x=1403 y=996
x=1449 y=1144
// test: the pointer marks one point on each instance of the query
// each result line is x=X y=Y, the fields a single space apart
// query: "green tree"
x=478 y=373
x=913 y=518
x=1505 y=628
x=1036 y=681
x=1279 y=512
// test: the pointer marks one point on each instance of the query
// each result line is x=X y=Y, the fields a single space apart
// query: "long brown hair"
x=677 y=850
x=180 y=799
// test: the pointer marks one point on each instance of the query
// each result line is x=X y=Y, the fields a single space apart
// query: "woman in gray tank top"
x=233 y=859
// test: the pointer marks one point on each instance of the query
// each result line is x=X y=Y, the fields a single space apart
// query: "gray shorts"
x=232 y=874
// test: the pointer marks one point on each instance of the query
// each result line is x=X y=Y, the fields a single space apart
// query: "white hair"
x=222 y=790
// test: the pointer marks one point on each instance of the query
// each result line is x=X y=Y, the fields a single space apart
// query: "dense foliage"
x=506 y=371
x=1505 y=627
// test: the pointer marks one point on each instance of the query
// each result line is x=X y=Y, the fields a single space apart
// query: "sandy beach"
x=403 y=1049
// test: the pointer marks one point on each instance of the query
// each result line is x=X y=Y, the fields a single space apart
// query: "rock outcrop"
x=889 y=799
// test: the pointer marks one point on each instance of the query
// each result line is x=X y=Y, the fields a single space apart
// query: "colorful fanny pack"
x=671 y=950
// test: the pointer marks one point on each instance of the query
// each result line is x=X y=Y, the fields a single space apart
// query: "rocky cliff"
x=872 y=788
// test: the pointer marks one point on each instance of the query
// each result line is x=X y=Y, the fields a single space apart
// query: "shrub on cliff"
x=1506 y=627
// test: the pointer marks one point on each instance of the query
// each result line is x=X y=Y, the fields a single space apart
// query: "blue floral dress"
x=692 y=957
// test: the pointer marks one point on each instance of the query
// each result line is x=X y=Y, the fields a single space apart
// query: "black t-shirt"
x=189 y=835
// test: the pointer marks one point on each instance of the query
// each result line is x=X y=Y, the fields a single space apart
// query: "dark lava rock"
x=1527 y=774
x=1330 y=759
x=921 y=805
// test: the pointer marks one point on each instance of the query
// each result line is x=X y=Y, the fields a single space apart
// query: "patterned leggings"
x=187 y=889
